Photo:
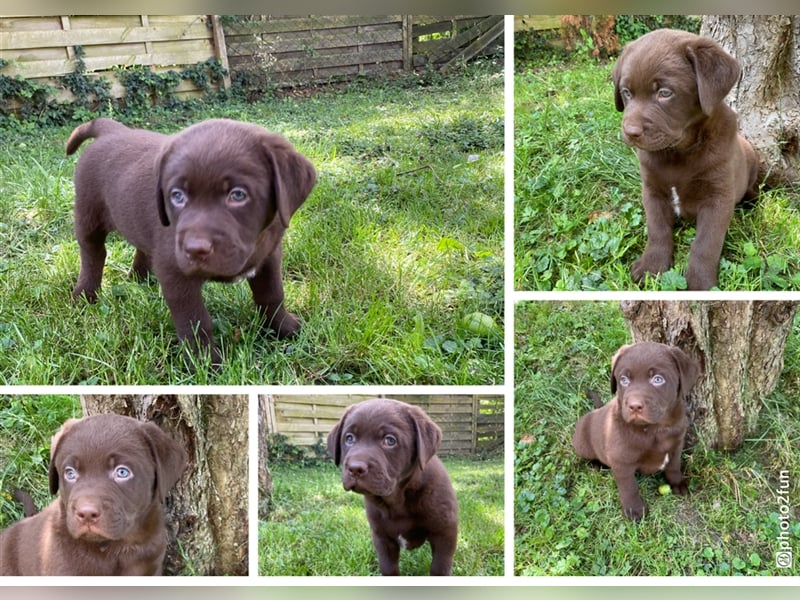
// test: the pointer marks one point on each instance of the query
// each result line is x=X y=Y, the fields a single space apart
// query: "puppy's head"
x=652 y=381
x=381 y=443
x=110 y=472
x=229 y=189
x=666 y=82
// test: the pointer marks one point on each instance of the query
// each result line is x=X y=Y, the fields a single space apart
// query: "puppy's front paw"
x=634 y=511
x=701 y=277
x=650 y=262
x=284 y=324
x=682 y=487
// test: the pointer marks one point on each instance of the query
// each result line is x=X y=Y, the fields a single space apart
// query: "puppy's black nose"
x=198 y=247
x=87 y=512
x=356 y=468
x=635 y=406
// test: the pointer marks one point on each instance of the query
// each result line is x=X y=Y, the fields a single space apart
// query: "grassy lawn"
x=27 y=424
x=579 y=220
x=567 y=514
x=400 y=240
x=316 y=528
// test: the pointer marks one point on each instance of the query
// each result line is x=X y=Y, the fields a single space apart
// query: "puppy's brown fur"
x=642 y=428
x=386 y=449
x=112 y=474
x=671 y=87
x=211 y=202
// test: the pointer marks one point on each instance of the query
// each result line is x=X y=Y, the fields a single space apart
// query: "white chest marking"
x=666 y=456
x=403 y=542
x=676 y=201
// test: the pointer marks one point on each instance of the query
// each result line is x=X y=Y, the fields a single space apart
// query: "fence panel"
x=470 y=424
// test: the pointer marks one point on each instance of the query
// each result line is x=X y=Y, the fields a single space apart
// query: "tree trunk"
x=264 y=475
x=207 y=511
x=740 y=347
x=767 y=98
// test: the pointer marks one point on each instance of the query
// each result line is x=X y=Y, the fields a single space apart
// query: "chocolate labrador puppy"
x=670 y=86
x=386 y=449
x=112 y=474
x=642 y=428
x=211 y=202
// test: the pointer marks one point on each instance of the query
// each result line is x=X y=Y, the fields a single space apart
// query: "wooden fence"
x=290 y=50
x=470 y=424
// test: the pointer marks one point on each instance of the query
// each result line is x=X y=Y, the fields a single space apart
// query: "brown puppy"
x=387 y=452
x=671 y=87
x=643 y=427
x=112 y=474
x=211 y=202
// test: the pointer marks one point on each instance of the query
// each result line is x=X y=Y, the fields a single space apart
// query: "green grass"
x=27 y=424
x=401 y=238
x=579 y=220
x=316 y=528
x=568 y=519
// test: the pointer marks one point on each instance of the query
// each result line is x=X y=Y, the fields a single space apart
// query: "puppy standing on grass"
x=387 y=450
x=670 y=86
x=211 y=202
x=642 y=428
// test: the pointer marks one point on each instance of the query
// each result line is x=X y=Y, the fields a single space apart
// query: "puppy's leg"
x=673 y=474
x=657 y=256
x=92 y=243
x=192 y=321
x=267 y=288
x=388 y=554
x=712 y=225
x=443 y=548
x=141 y=265
x=632 y=505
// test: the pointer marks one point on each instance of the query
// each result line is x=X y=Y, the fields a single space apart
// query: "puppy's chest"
x=662 y=442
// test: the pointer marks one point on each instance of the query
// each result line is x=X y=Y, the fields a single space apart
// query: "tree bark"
x=207 y=511
x=767 y=97
x=740 y=347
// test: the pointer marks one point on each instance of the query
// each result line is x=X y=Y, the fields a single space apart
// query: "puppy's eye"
x=349 y=439
x=626 y=94
x=390 y=441
x=237 y=196
x=70 y=474
x=122 y=473
x=664 y=93
x=658 y=380
x=624 y=381
x=177 y=197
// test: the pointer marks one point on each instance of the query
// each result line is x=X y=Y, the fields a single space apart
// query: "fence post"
x=408 y=41
x=221 y=49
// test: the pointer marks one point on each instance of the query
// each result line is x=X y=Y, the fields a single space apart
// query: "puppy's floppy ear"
x=688 y=369
x=293 y=175
x=614 y=360
x=53 y=474
x=334 y=438
x=716 y=72
x=428 y=435
x=162 y=207
x=169 y=458
x=616 y=74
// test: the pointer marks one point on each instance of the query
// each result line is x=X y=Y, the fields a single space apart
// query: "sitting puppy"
x=643 y=427
x=211 y=202
x=112 y=474
x=670 y=86
x=387 y=452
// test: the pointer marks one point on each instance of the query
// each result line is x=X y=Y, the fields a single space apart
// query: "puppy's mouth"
x=361 y=485
x=90 y=533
